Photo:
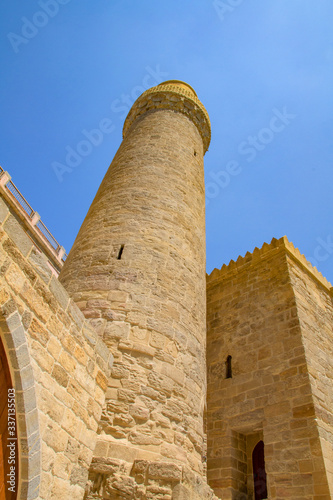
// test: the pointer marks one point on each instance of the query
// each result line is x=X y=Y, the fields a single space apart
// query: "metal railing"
x=35 y=221
x=50 y=238
x=20 y=198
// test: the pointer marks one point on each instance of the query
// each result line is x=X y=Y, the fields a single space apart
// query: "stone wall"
x=315 y=312
x=260 y=312
x=136 y=278
x=59 y=369
x=137 y=271
x=117 y=479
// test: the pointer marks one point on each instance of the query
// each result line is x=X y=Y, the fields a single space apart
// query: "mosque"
x=127 y=372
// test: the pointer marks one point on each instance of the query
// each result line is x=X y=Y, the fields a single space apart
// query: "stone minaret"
x=137 y=271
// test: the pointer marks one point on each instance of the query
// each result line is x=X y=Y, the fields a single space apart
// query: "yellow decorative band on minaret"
x=176 y=96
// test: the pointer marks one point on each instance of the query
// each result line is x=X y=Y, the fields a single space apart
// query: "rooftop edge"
x=258 y=252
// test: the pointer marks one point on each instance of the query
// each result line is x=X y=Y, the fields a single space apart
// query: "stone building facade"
x=122 y=389
x=269 y=316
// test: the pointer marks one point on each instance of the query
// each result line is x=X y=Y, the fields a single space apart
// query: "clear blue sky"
x=262 y=68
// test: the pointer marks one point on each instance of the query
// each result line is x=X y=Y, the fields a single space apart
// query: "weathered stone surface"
x=145 y=439
x=18 y=235
x=148 y=264
x=59 y=292
x=145 y=480
x=116 y=330
x=139 y=413
x=4 y=210
x=136 y=274
x=40 y=264
x=170 y=472
x=49 y=355
x=269 y=313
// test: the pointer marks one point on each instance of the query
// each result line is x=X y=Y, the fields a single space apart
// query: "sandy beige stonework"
x=137 y=269
x=137 y=376
x=271 y=312
x=59 y=368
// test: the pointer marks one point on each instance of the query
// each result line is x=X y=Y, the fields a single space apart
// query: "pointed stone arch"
x=16 y=349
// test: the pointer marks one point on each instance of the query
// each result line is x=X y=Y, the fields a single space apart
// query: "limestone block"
x=124 y=421
x=79 y=477
x=35 y=302
x=153 y=395
x=173 y=452
x=119 y=371
x=180 y=492
x=4 y=211
x=62 y=466
x=15 y=278
x=41 y=356
x=18 y=235
x=165 y=471
x=55 y=437
x=118 y=483
x=16 y=337
x=174 y=373
x=71 y=424
x=139 y=413
x=157 y=340
x=38 y=332
x=103 y=465
x=14 y=254
x=59 y=292
x=67 y=362
x=40 y=264
x=118 y=296
x=101 y=380
x=160 y=383
x=144 y=439
x=116 y=330
x=126 y=395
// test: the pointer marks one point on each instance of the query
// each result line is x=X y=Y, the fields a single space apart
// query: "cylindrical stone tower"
x=137 y=271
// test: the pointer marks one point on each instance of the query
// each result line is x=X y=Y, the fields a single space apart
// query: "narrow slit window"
x=228 y=367
x=120 y=253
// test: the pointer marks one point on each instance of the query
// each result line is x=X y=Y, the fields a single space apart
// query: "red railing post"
x=4 y=179
x=35 y=217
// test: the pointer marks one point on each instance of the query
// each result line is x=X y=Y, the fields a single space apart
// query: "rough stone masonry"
x=109 y=362
x=137 y=271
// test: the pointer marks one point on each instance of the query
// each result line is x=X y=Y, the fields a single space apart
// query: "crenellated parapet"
x=176 y=96
x=259 y=253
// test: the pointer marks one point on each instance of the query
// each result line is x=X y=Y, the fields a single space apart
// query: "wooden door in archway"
x=8 y=435
x=259 y=472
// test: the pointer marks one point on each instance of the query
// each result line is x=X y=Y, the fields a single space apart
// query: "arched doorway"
x=9 y=459
x=259 y=472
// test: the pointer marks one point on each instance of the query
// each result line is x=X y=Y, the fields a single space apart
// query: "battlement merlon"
x=292 y=251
